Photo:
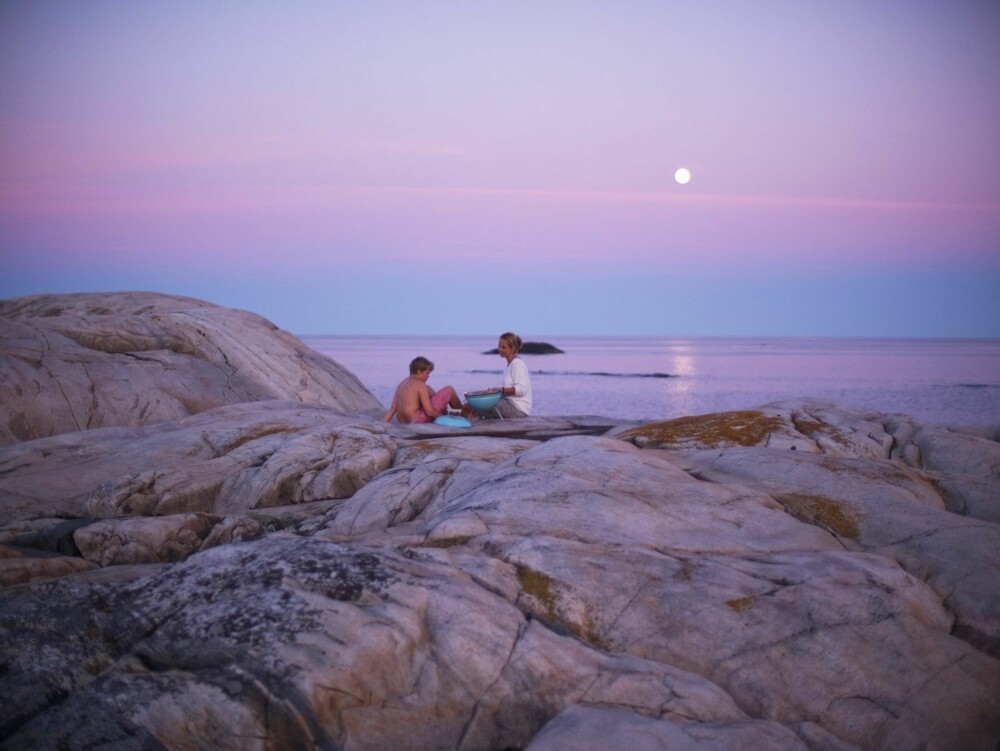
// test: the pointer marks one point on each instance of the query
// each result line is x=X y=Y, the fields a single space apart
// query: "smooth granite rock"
x=290 y=642
x=159 y=539
x=233 y=458
x=962 y=465
x=168 y=490
x=21 y=565
x=592 y=727
x=81 y=361
x=273 y=574
x=884 y=508
x=630 y=553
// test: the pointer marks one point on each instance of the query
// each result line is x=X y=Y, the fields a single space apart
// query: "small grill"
x=484 y=401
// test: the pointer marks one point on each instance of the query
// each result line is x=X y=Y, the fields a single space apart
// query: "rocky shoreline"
x=209 y=539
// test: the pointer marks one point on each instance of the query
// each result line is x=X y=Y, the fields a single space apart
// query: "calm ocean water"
x=947 y=381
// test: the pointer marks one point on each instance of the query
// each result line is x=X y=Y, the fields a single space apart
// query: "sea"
x=944 y=381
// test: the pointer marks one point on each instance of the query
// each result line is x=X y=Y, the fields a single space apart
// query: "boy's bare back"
x=412 y=397
x=408 y=398
x=415 y=401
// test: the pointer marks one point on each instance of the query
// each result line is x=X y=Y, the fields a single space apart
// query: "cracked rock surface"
x=506 y=589
x=273 y=575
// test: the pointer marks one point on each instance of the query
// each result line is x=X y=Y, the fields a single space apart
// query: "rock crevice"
x=291 y=572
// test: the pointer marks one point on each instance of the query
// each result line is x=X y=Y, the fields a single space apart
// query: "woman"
x=516 y=401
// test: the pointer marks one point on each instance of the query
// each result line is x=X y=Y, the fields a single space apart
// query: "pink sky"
x=258 y=154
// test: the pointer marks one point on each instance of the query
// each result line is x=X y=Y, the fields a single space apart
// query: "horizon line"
x=33 y=195
x=666 y=197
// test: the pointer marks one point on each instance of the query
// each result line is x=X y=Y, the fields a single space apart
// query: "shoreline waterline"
x=946 y=381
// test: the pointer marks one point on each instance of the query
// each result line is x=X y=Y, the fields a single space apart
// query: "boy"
x=415 y=401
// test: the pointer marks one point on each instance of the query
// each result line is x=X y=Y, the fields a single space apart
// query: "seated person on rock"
x=416 y=402
x=516 y=389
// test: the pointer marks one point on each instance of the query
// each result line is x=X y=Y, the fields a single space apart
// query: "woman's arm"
x=518 y=377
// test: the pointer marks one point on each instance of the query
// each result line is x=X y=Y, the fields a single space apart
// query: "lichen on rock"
x=745 y=428
x=283 y=573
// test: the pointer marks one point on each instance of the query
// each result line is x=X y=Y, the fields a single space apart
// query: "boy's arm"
x=392 y=410
x=425 y=403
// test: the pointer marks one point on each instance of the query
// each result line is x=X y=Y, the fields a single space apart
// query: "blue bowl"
x=452 y=421
x=483 y=402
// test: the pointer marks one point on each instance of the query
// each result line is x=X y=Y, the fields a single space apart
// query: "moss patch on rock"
x=821 y=511
x=740 y=604
x=819 y=430
x=539 y=586
x=721 y=430
x=684 y=571
x=448 y=542
x=545 y=591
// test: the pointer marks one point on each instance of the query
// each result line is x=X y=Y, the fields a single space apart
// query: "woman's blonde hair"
x=513 y=341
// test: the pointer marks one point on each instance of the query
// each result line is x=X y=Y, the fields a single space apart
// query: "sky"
x=418 y=167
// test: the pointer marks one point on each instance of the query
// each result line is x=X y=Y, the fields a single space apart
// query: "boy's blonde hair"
x=420 y=364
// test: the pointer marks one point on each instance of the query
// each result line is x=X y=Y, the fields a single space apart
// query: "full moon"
x=682 y=176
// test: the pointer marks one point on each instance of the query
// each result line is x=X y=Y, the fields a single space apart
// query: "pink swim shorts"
x=439 y=401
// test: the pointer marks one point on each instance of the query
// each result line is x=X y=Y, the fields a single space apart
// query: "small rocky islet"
x=209 y=539
x=532 y=348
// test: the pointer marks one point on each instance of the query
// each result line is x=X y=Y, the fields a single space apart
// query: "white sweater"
x=516 y=375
